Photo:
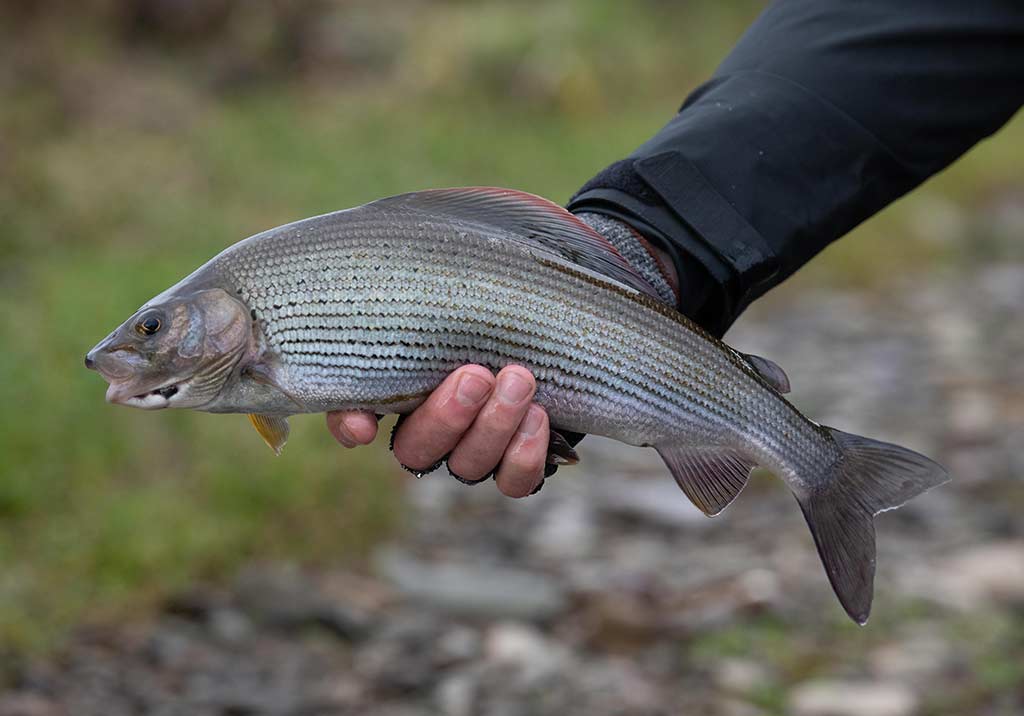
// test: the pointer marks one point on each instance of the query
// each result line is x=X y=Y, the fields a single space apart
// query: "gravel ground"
x=608 y=593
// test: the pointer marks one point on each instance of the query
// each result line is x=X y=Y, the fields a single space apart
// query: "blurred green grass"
x=125 y=166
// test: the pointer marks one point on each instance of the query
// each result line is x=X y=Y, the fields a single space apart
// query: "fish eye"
x=148 y=326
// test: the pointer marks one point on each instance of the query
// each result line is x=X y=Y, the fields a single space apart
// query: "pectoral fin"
x=263 y=374
x=274 y=431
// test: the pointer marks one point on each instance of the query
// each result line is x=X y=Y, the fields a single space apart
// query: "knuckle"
x=493 y=422
x=413 y=450
x=450 y=420
x=530 y=461
x=520 y=473
x=497 y=420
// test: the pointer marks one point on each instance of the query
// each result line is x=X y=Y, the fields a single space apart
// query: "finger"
x=352 y=427
x=480 y=449
x=522 y=467
x=433 y=429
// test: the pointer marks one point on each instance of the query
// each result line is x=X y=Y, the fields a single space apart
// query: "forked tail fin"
x=870 y=477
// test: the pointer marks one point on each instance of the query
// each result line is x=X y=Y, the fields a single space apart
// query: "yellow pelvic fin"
x=274 y=431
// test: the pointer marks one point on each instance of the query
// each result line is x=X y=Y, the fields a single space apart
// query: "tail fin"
x=870 y=477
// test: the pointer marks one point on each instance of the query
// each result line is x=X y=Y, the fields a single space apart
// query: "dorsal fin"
x=770 y=371
x=533 y=221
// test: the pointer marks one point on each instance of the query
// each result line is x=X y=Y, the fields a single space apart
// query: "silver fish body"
x=372 y=307
x=362 y=312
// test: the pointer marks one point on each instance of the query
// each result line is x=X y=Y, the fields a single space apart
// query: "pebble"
x=455 y=695
x=524 y=649
x=983 y=575
x=852 y=698
x=477 y=590
x=918 y=659
x=655 y=501
x=18 y=704
x=740 y=676
x=566 y=531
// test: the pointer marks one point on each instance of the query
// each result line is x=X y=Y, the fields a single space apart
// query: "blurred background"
x=168 y=563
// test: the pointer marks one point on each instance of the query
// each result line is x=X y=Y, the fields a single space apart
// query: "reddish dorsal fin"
x=536 y=222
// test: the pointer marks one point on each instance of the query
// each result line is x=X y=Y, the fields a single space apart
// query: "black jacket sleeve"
x=825 y=112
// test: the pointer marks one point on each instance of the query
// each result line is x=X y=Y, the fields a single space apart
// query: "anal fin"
x=711 y=477
x=273 y=430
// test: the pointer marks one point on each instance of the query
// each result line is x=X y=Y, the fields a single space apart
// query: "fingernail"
x=532 y=422
x=513 y=388
x=472 y=389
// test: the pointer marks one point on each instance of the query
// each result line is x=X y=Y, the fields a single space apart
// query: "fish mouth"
x=154 y=399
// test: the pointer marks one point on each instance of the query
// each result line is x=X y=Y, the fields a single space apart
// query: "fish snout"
x=115 y=362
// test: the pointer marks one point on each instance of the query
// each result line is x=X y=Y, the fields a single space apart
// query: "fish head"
x=177 y=351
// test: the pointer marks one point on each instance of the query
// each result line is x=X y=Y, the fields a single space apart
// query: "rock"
x=852 y=698
x=917 y=659
x=525 y=649
x=983 y=575
x=458 y=644
x=975 y=416
x=342 y=692
x=740 y=676
x=23 y=704
x=411 y=648
x=284 y=597
x=720 y=601
x=167 y=648
x=616 y=461
x=229 y=625
x=659 y=502
x=474 y=589
x=616 y=686
x=195 y=603
x=566 y=531
x=456 y=694
x=735 y=707
x=280 y=594
x=432 y=497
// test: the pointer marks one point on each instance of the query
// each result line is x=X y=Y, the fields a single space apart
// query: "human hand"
x=482 y=422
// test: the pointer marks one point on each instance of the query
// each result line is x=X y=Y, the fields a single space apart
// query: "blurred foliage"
x=138 y=138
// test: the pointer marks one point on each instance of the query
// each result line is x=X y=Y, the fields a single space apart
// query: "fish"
x=371 y=307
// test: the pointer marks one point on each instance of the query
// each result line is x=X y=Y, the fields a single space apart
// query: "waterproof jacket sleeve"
x=824 y=112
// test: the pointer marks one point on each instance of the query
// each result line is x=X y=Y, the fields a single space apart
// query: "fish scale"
x=372 y=307
x=414 y=290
